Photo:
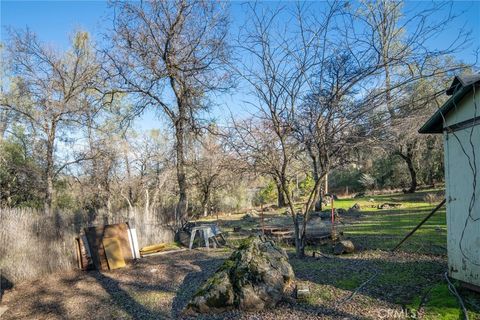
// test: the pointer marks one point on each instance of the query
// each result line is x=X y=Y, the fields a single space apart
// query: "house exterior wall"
x=462 y=152
x=465 y=109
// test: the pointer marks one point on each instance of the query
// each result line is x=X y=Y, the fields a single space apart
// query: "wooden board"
x=78 y=254
x=153 y=248
x=83 y=259
x=94 y=237
x=132 y=233
x=120 y=231
x=114 y=253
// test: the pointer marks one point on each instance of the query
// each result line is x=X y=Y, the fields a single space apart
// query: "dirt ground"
x=154 y=288
x=160 y=287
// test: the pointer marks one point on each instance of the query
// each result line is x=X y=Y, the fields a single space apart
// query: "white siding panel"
x=465 y=109
x=464 y=260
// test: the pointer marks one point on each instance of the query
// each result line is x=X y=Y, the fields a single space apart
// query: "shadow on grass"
x=123 y=300
x=193 y=280
x=49 y=302
x=397 y=281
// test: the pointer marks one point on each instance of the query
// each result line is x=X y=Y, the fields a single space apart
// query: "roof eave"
x=435 y=123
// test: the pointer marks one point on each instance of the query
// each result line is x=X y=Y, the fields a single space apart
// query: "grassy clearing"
x=383 y=229
x=409 y=283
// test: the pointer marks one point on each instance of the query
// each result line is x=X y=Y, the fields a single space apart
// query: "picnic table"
x=209 y=231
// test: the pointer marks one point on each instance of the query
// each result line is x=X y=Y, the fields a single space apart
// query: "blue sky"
x=54 y=21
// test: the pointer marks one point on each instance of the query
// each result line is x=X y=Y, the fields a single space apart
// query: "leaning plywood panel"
x=94 y=237
x=114 y=253
x=120 y=231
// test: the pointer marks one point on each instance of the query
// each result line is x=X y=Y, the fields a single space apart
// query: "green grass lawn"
x=383 y=229
x=410 y=281
x=413 y=284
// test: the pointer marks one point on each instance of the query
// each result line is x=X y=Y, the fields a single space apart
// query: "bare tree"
x=170 y=54
x=255 y=142
x=278 y=69
x=401 y=38
x=7 y=115
x=320 y=80
x=211 y=168
x=56 y=90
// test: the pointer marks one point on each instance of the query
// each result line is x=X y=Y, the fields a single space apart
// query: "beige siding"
x=465 y=109
x=459 y=176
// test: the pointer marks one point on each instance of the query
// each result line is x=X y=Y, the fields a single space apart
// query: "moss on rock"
x=253 y=277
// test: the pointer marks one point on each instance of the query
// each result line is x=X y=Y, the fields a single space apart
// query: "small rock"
x=325 y=215
x=302 y=291
x=354 y=210
x=344 y=246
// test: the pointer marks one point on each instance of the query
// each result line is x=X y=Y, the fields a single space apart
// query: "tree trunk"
x=299 y=242
x=180 y=154
x=129 y=178
x=281 y=195
x=318 y=196
x=205 y=209
x=413 y=175
x=146 y=211
x=49 y=170
x=299 y=248
x=48 y=190
x=408 y=158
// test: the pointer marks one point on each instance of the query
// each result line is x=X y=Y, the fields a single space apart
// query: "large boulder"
x=254 y=277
